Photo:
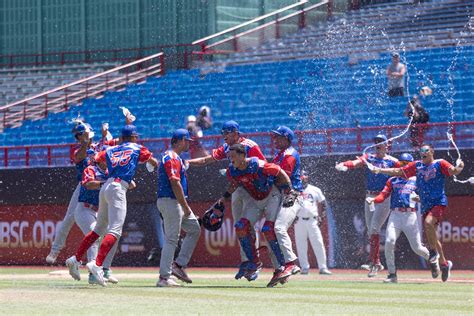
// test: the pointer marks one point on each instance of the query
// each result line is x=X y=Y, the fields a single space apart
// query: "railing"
x=181 y=53
x=308 y=143
x=270 y=26
x=60 y=98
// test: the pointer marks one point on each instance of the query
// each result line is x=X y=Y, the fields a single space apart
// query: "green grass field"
x=36 y=291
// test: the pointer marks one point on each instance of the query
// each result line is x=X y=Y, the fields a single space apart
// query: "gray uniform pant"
x=376 y=215
x=174 y=220
x=68 y=221
x=309 y=229
x=86 y=219
x=405 y=222
x=284 y=220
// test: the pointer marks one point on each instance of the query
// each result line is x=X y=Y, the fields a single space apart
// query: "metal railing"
x=61 y=98
x=270 y=26
x=308 y=143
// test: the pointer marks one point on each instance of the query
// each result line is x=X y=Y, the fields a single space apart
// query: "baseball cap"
x=380 y=138
x=191 y=118
x=181 y=133
x=406 y=157
x=81 y=128
x=304 y=175
x=395 y=54
x=129 y=130
x=230 y=126
x=284 y=131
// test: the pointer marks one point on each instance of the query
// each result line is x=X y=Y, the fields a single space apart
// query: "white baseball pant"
x=86 y=219
x=237 y=209
x=66 y=224
x=173 y=221
x=284 y=220
x=376 y=215
x=405 y=222
x=308 y=229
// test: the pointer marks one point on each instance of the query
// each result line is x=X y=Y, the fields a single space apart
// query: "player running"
x=231 y=133
x=376 y=216
x=175 y=210
x=430 y=178
x=403 y=219
x=260 y=198
x=122 y=161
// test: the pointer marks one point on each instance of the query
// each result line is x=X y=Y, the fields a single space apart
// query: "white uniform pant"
x=86 y=219
x=405 y=222
x=376 y=215
x=112 y=208
x=68 y=221
x=173 y=221
x=284 y=220
x=309 y=229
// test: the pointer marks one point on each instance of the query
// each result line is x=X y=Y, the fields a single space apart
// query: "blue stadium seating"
x=303 y=94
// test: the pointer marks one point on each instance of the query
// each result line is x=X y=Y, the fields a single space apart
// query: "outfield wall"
x=33 y=202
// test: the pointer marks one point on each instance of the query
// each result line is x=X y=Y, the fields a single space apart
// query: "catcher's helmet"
x=406 y=157
x=80 y=128
x=214 y=217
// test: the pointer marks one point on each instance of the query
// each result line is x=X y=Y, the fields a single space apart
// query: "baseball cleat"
x=253 y=270
x=276 y=277
x=284 y=280
x=391 y=278
x=242 y=270
x=97 y=271
x=305 y=271
x=51 y=257
x=108 y=277
x=325 y=272
x=290 y=269
x=167 y=282
x=73 y=266
x=434 y=266
x=374 y=269
x=434 y=256
x=446 y=270
x=179 y=272
x=92 y=279
x=365 y=266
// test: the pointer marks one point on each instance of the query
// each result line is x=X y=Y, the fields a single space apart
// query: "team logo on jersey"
x=428 y=173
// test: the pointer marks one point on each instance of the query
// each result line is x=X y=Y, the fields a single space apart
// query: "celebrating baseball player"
x=260 y=198
x=177 y=215
x=376 y=216
x=231 y=133
x=310 y=216
x=403 y=219
x=289 y=160
x=122 y=161
x=430 y=178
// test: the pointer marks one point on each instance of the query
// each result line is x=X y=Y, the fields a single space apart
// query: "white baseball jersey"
x=311 y=197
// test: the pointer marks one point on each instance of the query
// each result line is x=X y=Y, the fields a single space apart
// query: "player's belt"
x=118 y=180
x=91 y=206
x=306 y=218
x=404 y=209
x=373 y=192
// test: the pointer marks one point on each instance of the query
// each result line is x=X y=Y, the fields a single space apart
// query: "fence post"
x=65 y=99
x=329 y=141
x=24 y=111
x=302 y=22
x=330 y=9
x=5 y=119
x=49 y=155
x=162 y=64
x=5 y=157
x=277 y=28
x=234 y=43
x=27 y=156
x=359 y=139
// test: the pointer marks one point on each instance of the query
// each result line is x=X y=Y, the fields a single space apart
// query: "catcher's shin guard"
x=246 y=239
x=268 y=231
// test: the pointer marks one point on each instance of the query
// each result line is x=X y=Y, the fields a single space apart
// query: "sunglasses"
x=424 y=150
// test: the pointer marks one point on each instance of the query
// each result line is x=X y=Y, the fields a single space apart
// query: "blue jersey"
x=376 y=182
x=81 y=165
x=430 y=181
x=171 y=167
x=399 y=190
x=122 y=160
x=91 y=173
x=289 y=161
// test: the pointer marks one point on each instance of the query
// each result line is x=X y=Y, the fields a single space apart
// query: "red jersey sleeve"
x=145 y=155
x=173 y=169
x=100 y=156
x=256 y=152
x=288 y=164
x=397 y=164
x=271 y=169
x=410 y=169
x=219 y=153
x=112 y=142
x=387 y=190
x=445 y=166
x=88 y=175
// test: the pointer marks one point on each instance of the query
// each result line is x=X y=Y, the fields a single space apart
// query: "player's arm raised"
x=350 y=164
x=453 y=170
x=81 y=153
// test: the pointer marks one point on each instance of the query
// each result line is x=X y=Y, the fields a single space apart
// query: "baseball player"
x=231 y=133
x=403 y=218
x=430 y=178
x=85 y=214
x=261 y=198
x=177 y=215
x=289 y=160
x=376 y=216
x=122 y=161
x=310 y=216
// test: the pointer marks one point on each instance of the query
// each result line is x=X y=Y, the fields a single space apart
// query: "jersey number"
x=121 y=157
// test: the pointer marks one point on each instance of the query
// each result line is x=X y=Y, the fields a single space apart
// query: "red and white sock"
x=107 y=244
x=86 y=243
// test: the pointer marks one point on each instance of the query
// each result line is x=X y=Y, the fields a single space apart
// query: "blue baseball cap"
x=230 y=126
x=285 y=132
x=380 y=138
x=406 y=157
x=129 y=130
x=181 y=133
